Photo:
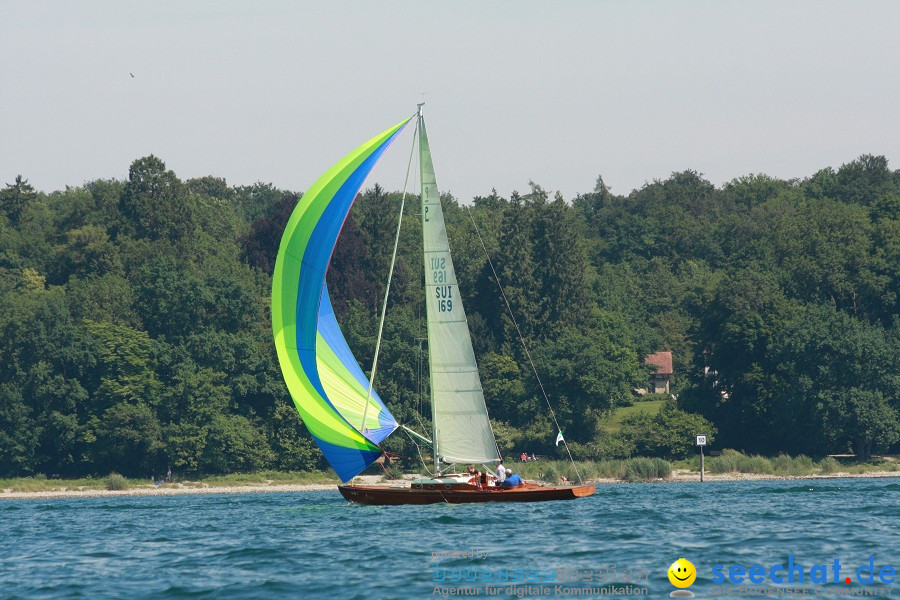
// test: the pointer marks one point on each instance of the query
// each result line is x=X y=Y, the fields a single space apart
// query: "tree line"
x=135 y=332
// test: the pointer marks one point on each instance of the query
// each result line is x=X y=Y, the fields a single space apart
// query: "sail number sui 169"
x=442 y=293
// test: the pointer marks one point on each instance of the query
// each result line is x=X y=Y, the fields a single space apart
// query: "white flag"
x=559 y=438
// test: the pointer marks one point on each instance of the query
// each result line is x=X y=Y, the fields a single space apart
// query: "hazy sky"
x=556 y=92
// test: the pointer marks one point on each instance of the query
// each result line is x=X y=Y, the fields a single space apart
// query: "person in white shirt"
x=501 y=473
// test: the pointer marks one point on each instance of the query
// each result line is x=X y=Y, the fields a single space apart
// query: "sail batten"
x=322 y=376
x=462 y=430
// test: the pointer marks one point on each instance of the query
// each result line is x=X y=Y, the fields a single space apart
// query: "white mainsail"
x=462 y=430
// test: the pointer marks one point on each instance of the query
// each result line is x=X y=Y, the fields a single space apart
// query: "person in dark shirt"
x=512 y=480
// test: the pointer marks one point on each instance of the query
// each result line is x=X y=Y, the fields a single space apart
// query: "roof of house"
x=662 y=360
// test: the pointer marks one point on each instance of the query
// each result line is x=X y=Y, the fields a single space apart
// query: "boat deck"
x=460 y=493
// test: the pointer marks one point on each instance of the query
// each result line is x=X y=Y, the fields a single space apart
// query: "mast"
x=461 y=428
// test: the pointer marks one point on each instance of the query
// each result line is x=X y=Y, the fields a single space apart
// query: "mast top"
x=419 y=108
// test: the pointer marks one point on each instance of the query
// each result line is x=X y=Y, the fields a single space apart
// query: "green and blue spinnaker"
x=326 y=382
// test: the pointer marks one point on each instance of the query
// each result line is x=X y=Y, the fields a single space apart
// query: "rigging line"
x=522 y=340
x=421 y=423
x=386 y=472
x=387 y=289
x=419 y=450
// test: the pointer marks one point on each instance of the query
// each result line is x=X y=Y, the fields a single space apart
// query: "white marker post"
x=701 y=441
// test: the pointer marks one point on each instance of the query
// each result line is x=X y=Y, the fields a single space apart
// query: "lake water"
x=316 y=545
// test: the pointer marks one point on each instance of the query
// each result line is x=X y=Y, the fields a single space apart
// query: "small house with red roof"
x=662 y=373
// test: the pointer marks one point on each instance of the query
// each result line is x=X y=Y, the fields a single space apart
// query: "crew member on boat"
x=501 y=473
x=512 y=480
x=477 y=477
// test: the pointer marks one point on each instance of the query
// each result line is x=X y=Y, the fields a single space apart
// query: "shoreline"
x=264 y=488
x=679 y=476
x=169 y=491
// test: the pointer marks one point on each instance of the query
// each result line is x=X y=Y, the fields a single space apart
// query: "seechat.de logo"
x=793 y=573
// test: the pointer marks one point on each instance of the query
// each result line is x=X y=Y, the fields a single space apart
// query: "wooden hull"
x=459 y=494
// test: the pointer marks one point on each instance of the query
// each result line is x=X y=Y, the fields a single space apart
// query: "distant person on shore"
x=524 y=457
x=512 y=480
x=169 y=475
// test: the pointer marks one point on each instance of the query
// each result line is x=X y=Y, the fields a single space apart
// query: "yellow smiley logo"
x=682 y=573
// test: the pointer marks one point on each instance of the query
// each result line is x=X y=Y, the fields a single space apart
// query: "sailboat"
x=336 y=401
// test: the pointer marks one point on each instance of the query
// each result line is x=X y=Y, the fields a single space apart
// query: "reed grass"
x=730 y=461
x=266 y=477
x=829 y=465
x=40 y=483
x=116 y=482
x=630 y=469
x=783 y=465
x=647 y=469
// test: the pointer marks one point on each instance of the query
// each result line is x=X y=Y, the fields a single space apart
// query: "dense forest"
x=135 y=331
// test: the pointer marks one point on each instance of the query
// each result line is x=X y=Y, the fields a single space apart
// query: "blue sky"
x=555 y=92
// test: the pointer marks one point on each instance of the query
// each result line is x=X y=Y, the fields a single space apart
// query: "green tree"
x=87 y=251
x=292 y=447
x=587 y=372
x=106 y=298
x=123 y=371
x=15 y=198
x=516 y=272
x=559 y=259
x=670 y=433
x=504 y=388
x=126 y=439
x=831 y=384
x=747 y=311
x=19 y=433
x=865 y=418
x=155 y=201
x=234 y=444
x=259 y=246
